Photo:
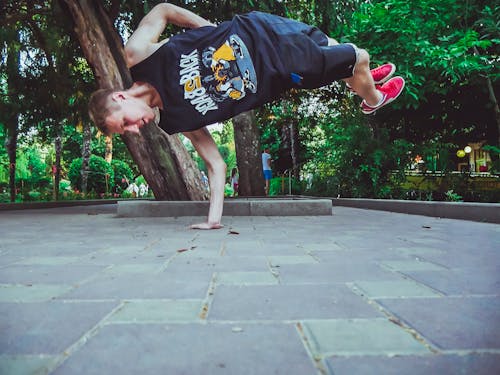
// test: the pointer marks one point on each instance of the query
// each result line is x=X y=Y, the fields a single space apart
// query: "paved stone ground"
x=360 y=292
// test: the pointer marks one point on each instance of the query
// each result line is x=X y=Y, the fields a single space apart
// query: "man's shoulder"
x=136 y=53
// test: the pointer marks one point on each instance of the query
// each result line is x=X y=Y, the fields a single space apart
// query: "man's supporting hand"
x=206 y=226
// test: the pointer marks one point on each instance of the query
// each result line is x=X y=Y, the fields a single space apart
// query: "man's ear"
x=118 y=96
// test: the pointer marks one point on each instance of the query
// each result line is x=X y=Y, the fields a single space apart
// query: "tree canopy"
x=447 y=50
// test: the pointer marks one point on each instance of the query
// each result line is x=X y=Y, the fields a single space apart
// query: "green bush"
x=281 y=186
x=122 y=172
x=101 y=175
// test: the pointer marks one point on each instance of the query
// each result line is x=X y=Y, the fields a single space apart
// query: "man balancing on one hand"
x=211 y=73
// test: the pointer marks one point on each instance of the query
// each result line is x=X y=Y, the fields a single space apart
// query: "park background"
x=438 y=141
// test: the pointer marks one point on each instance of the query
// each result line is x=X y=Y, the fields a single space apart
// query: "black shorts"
x=307 y=58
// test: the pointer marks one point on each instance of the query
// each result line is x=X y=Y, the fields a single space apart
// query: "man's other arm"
x=144 y=40
x=208 y=151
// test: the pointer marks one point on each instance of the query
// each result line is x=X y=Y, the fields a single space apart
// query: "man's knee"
x=362 y=57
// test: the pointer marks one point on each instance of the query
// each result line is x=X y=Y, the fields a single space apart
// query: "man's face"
x=132 y=114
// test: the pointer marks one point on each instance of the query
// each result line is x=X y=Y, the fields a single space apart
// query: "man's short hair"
x=100 y=107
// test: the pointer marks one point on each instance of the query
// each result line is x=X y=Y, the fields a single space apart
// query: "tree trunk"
x=57 y=164
x=294 y=149
x=108 y=154
x=496 y=109
x=163 y=160
x=493 y=99
x=11 y=145
x=87 y=138
x=12 y=112
x=248 y=155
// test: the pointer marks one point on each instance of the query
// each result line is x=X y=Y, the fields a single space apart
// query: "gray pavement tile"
x=47 y=274
x=329 y=246
x=246 y=278
x=195 y=262
x=49 y=327
x=156 y=286
x=351 y=257
x=135 y=268
x=157 y=311
x=466 y=257
x=355 y=337
x=31 y=293
x=47 y=261
x=453 y=322
x=288 y=302
x=264 y=249
x=191 y=349
x=395 y=289
x=25 y=364
x=412 y=265
x=328 y=273
x=462 y=281
x=278 y=261
x=418 y=251
x=442 y=364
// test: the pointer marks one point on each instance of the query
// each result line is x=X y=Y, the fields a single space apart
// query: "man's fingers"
x=206 y=226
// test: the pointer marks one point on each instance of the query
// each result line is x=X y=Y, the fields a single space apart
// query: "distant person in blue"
x=266 y=168
x=211 y=73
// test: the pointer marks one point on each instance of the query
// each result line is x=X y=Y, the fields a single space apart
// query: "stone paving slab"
x=442 y=364
x=461 y=281
x=395 y=289
x=288 y=302
x=452 y=323
x=49 y=327
x=357 y=337
x=357 y=291
x=192 y=349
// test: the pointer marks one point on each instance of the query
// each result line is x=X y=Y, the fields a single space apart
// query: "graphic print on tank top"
x=227 y=73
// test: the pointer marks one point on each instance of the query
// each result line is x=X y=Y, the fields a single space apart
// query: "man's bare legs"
x=362 y=81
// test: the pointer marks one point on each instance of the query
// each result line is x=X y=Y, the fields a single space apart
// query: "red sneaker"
x=391 y=90
x=380 y=74
x=383 y=73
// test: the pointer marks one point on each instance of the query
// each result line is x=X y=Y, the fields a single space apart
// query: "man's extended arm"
x=208 y=151
x=144 y=40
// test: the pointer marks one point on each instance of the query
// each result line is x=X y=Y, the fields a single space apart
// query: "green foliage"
x=100 y=175
x=352 y=161
x=446 y=50
x=122 y=172
x=281 y=186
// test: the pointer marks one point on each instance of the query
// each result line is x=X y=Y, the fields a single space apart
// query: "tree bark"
x=162 y=159
x=248 y=155
x=108 y=153
x=87 y=138
x=57 y=164
x=11 y=145
x=12 y=113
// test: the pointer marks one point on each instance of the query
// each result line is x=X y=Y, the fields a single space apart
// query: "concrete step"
x=232 y=207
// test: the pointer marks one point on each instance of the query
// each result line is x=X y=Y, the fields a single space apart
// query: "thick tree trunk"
x=248 y=155
x=163 y=160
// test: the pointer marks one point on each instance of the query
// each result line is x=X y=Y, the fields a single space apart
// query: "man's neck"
x=146 y=92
